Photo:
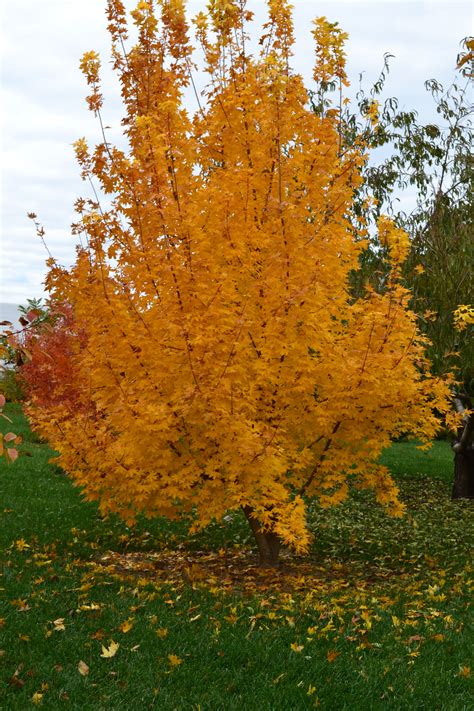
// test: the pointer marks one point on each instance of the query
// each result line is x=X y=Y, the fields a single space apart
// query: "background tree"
x=463 y=486
x=45 y=349
x=14 y=347
x=435 y=161
x=225 y=360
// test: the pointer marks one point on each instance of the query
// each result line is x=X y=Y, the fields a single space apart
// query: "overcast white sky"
x=43 y=107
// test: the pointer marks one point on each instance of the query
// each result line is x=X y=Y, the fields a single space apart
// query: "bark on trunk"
x=268 y=543
x=463 y=485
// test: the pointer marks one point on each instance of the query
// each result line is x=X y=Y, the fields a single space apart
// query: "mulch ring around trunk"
x=238 y=571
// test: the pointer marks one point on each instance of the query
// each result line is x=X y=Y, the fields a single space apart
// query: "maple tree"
x=224 y=364
x=45 y=348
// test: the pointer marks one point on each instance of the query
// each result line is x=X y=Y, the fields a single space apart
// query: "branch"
x=320 y=460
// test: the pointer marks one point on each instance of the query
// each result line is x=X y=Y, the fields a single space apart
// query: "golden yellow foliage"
x=373 y=112
x=330 y=56
x=464 y=317
x=110 y=651
x=226 y=364
x=174 y=660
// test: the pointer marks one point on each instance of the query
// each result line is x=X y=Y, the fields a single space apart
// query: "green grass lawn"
x=376 y=617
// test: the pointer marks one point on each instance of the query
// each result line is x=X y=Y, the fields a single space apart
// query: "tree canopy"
x=222 y=361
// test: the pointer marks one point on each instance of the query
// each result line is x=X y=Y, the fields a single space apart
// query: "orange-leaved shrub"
x=230 y=366
x=48 y=373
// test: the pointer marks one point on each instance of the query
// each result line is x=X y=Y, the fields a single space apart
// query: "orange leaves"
x=207 y=353
x=10 y=453
x=21 y=605
x=372 y=112
x=83 y=157
x=90 y=67
x=464 y=317
x=466 y=57
x=126 y=625
x=174 y=660
x=330 y=56
x=394 y=238
x=50 y=377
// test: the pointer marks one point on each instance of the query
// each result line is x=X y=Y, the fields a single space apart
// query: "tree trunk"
x=463 y=486
x=268 y=543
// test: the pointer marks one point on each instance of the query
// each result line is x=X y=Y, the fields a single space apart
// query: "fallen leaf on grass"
x=59 y=624
x=91 y=606
x=465 y=672
x=15 y=678
x=297 y=647
x=365 y=615
x=100 y=634
x=332 y=655
x=127 y=625
x=162 y=632
x=12 y=453
x=37 y=698
x=21 y=604
x=111 y=651
x=83 y=668
x=174 y=660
